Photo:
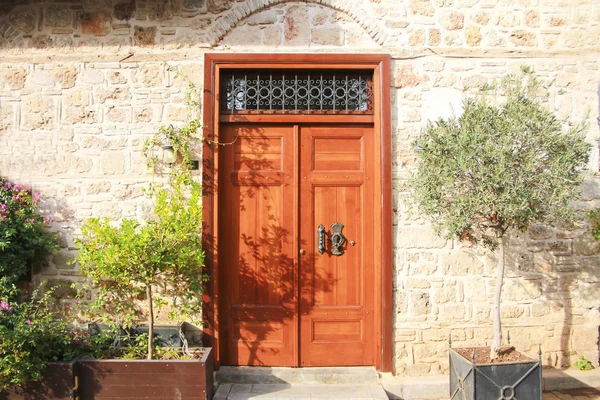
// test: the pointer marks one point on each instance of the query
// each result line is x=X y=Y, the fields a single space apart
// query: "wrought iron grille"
x=297 y=92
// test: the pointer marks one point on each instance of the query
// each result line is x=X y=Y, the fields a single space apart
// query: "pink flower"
x=28 y=322
x=36 y=197
x=5 y=306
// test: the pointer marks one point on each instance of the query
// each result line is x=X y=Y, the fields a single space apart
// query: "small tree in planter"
x=131 y=260
x=497 y=169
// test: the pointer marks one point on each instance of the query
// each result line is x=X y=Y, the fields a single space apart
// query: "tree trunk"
x=495 y=347
x=150 y=322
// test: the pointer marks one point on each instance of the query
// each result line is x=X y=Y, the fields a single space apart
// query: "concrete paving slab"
x=299 y=392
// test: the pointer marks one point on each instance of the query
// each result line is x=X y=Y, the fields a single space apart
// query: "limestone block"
x=145 y=36
x=459 y=262
x=92 y=76
x=453 y=39
x=475 y=290
x=424 y=268
x=327 y=36
x=58 y=16
x=14 y=77
x=24 y=19
x=97 y=187
x=559 y=247
x=516 y=289
x=434 y=37
x=112 y=162
x=269 y=17
x=37 y=112
x=416 y=37
x=418 y=237
x=125 y=11
x=152 y=75
x=62 y=258
x=422 y=7
x=507 y=19
x=452 y=20
x=116 y=77
x=444 y=295
x=143 y=114
x=65 y=76
x=418 y=303
x=523 y=38
x=80 y=115
x=429 y=352
x=96 y=23
x=118 y=114
x=452 y=312
x=585 y=245
x=540 y=232
x=417 y=283
x=296 y=26
x=481 y=17
x=405 y=335
x=116 y=95
x=473 y=35
x=218 y=6
x=405 y=76
x=511 y=311
x=435 y=335
x=532 y=18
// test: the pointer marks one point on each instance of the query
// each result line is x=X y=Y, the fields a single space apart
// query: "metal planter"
x=521 y=380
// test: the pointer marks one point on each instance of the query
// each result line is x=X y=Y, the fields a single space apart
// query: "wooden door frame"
x=380 y=65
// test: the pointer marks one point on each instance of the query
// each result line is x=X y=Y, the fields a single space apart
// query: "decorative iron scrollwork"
x=300 y=91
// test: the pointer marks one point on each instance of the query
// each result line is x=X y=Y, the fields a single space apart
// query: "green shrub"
x=23 y=240
x=31 y=337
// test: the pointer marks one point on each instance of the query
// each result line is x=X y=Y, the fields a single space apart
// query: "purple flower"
x=5 y=306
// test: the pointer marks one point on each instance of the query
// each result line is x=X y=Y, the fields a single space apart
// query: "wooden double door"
x=296 y=244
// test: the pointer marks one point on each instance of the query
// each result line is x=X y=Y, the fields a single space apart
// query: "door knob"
x=302 y=252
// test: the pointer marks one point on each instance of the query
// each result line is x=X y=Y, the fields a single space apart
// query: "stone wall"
x=84 y=83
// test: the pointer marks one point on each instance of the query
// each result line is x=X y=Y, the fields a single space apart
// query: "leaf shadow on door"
x=259 y=251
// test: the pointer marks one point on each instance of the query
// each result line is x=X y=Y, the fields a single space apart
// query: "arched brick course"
x=231 y=18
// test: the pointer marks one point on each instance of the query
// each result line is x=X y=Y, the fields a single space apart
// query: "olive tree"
x=505 y=163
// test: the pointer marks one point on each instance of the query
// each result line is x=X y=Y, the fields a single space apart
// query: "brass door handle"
x=302 y=252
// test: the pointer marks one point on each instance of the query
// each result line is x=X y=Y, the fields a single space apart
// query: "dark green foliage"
x=499 y=166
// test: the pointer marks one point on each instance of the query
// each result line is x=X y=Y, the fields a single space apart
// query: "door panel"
x=337 y=292
x=285 y=303
x=256 y=246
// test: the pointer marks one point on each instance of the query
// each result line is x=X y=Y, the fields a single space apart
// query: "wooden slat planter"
x=122 y=379
x=146 y=379
x=57 y=383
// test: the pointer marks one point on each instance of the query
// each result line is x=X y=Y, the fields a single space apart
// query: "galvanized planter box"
x=147 y=379
x=512 y=380
x=57 y=383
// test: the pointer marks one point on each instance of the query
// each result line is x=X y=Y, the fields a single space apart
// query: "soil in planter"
x=482 y=355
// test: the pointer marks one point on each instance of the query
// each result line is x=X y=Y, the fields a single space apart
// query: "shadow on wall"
x=555 y=271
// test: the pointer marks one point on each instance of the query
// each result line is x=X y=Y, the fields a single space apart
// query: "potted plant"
x=138 y=268
x=489 y=173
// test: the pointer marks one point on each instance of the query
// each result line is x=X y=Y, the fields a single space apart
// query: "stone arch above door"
x=299 y=25
x=234 y=16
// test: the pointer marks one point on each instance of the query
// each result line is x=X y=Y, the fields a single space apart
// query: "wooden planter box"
x=57 y=383
x=146 y=379
x=470 y=381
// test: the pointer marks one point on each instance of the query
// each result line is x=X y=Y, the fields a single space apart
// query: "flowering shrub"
x=23 y=240
x=30 y=338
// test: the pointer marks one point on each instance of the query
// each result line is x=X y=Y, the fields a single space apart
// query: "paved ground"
x=350 y=392
x=575 y=394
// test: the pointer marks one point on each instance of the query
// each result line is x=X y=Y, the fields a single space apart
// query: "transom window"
x=297 y=92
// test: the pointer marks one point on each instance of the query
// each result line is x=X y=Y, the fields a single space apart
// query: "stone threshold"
x=436 y=387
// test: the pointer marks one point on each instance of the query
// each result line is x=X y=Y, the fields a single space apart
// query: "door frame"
x=381 y=119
